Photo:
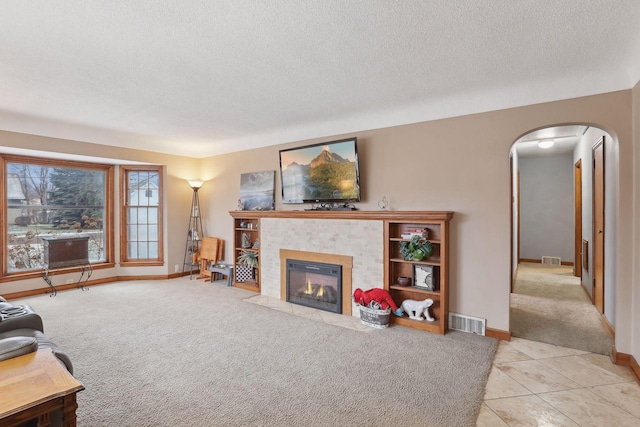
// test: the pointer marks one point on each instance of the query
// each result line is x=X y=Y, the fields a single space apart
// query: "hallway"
x=549 y=305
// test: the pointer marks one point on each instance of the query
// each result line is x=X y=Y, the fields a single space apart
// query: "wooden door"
x=577 y=182
x=598 y=225
x=519 y=222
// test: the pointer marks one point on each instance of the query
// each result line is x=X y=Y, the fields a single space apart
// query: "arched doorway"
x=557 y=197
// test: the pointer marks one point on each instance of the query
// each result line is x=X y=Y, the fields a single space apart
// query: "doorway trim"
x=598 y=221
x=577 y=183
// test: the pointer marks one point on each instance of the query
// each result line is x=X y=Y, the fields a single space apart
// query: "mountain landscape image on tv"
x=326 y=172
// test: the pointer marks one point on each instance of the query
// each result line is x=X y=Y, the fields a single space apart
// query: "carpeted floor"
x=188 y=353
x=549 y=305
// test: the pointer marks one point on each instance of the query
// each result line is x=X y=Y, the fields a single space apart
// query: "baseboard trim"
x=539 y=261
x=635 y=368
x=624 y=359
x=498 y=333
x=154 y=277
x=40 y=291
x=185 y=273
x=619 y=358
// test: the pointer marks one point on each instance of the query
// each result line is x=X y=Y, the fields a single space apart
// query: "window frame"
x=108 y=222
x=124 y=200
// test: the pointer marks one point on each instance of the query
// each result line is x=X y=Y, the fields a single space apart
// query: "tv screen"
x=326 y=172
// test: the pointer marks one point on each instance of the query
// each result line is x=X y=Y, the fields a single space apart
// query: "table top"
x=29 y=380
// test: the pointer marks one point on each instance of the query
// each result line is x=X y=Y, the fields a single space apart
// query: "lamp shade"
x=195 y=183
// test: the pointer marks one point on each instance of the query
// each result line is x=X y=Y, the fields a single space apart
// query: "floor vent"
x=460 y=322
x=552 y=260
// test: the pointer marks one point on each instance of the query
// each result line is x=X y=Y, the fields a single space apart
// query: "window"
x=53 y=197
x=141 y=218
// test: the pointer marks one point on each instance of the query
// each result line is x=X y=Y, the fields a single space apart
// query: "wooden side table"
x=34 y=385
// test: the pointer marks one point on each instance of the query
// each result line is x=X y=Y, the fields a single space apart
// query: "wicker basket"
x=375 y=318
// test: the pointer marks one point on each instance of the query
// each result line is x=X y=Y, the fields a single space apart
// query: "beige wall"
x=633 y=302
x=459 y=164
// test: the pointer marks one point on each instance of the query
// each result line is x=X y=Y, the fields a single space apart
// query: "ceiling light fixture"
x=547 y=143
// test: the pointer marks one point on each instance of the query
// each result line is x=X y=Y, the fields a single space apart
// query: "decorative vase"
x=403 y=281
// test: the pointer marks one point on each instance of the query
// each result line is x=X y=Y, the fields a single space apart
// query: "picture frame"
x=257 y=191
x=425 y=277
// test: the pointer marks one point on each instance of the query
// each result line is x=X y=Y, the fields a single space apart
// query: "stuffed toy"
x=377 y=295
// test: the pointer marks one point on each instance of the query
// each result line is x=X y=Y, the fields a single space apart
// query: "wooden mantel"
x=355 y=215
x=290 y=230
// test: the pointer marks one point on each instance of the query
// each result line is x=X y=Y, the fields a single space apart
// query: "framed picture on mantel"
x=257 y=191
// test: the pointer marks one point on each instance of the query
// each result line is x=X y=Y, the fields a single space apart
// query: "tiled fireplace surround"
x=360 y=239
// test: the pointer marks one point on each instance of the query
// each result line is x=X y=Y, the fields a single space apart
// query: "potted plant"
x=249 y=260
x=415 y=249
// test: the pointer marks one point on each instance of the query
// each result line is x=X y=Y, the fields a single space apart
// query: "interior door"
x=598 y=225
x=519 y=222
x=515 y=210
x=577 y=182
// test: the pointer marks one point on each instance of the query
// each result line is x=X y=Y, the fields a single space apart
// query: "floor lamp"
x=194 y=232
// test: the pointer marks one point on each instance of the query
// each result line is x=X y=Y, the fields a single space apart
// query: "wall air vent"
x=551 y=260
x=473 y=325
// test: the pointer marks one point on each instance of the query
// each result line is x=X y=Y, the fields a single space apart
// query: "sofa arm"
x=19 y=317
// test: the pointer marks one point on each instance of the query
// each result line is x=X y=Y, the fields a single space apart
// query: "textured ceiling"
x=204 y=77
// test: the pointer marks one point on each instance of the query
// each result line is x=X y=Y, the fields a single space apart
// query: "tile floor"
x=537 y=384
x=531 y=383
x=349 y=322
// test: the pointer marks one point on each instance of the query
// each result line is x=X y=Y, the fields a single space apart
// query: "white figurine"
x=415 y=309
x=382 y=204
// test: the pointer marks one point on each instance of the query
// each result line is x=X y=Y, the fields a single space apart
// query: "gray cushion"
x=17 y=346
x=43 y=343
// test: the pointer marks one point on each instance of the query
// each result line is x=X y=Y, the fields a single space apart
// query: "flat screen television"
x=321 y=173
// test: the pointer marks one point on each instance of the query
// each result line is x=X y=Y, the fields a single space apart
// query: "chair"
x=211 y=252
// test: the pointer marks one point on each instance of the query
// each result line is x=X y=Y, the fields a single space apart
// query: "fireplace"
x=345 y=262
x=314 y=284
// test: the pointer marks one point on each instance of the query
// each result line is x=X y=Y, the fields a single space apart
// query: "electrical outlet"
x=69 y=281
x=176 y=268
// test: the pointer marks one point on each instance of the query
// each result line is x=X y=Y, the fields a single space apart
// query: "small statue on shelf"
x=415 y=309
x=246 y=241
x=240 y=205
x=382 y=204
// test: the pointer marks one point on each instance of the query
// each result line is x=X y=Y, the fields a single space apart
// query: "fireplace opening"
x=315 y=284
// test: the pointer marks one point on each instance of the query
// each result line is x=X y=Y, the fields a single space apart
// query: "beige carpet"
x=188 y=353
x=549 y=305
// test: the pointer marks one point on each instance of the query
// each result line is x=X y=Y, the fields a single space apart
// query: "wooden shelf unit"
x=246 y=223
x=394 y=222
x=395 y=266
